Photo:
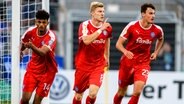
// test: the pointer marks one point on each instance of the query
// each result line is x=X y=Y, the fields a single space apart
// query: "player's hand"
x=107 y=62
x=129 y=54
x=153 y=56
x=105 y=25
x=28 y=44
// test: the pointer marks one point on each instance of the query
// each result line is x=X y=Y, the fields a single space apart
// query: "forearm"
x=158 y=46
x=120 y=47
x=90 y=38
x=40 y=51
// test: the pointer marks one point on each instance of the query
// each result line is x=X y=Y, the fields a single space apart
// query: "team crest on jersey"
x=105 y=32
x=152 y=34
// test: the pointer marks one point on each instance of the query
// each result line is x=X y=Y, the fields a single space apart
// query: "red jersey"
x=140 y=40
x=40 y=64
x=92 y=55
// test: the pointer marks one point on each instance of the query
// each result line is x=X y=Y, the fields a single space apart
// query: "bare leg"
x=93 y=90
x=120 y=94
x=77 y=98
x=138 y=87
x=37 y=99
x=26 y=97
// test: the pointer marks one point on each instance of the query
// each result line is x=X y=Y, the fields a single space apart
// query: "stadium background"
x=65 y=18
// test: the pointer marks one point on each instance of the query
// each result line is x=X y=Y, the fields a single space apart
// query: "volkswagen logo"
x=60 y=88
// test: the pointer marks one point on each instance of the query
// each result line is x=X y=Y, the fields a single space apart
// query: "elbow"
x=117 y=45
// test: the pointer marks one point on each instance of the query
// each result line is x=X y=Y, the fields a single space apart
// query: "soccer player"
x=93 y=54
x=42 y=67
x=135 y=61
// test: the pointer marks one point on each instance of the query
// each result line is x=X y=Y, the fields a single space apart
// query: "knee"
x=122 y=91
x=137 y=92
x=37 y=99
x=25 y=100
x=26 y=97
x=78 y=97
x=93 y=93
x=93 y=90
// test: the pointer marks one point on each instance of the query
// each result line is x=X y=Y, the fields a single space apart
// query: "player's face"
x=41 y=24
x=149 y=15
x=98 y=14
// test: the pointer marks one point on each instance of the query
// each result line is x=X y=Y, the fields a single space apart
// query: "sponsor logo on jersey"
x=101 y=41
x=142 y=41
x=60 y=88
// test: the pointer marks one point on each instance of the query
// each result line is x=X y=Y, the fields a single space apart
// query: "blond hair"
x=94 y=5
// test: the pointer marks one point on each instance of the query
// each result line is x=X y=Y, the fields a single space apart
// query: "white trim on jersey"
x=144 y=27
x=84 y=28
x=53 y=38
x=94 y=25
x=162 y=33
x=29 y=29
x=126 y=28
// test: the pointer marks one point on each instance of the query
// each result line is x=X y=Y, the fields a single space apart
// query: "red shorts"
x=129 y=73
x=40 y=82
x=84 y=79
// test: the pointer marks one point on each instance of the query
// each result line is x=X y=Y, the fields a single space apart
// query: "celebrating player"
x=42 y=67
x=93 y=54
x=135 y=63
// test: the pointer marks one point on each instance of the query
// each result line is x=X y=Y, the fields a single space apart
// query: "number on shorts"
x=46 y=86
x=145 y=72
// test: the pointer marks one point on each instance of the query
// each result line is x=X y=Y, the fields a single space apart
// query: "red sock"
x=90 y=100
x=134 y=100
x=117 y=99
x=76 y=101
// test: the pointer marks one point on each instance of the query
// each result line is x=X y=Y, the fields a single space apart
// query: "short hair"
x=94 y=5
x=145 y=6
x=42 y=14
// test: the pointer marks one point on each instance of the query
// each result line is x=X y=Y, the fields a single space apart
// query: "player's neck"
x=144 y=24
x=41 y=33
x=96 y=23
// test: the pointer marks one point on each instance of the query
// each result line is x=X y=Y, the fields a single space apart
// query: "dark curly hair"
x=145 y=6
x=42 y=14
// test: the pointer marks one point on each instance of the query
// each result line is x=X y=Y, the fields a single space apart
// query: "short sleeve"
x=50 y=40
x=126 y=31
